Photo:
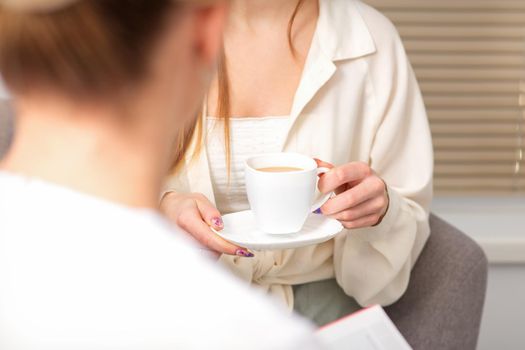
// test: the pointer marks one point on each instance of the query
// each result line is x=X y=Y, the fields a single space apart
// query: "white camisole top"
x=249 y=137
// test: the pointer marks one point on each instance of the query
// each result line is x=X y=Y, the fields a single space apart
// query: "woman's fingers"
x=323 y=164
x=209 y=213
x=366 y=221
x=369 y=207
x=196 y=215
x=342 y=175
x=192 y=222
x=351 y=198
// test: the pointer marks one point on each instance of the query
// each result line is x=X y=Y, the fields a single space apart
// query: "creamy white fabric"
x=249 y=137
x=81 y=273
x=358 y=100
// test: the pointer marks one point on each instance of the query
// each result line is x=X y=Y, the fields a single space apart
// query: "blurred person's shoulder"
x=127 y=270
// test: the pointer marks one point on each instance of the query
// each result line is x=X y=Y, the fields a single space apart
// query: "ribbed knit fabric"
x=249 y=137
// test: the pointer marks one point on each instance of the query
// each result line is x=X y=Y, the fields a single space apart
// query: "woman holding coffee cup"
x=328 y=79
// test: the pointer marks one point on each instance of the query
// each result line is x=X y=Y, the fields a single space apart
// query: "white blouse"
x=249 y=137
x=358 y=100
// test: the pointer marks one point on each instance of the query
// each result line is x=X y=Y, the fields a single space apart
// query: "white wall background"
x=498 y=225
x=503 y=325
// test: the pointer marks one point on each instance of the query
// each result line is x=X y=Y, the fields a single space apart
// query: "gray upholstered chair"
x=443 y=305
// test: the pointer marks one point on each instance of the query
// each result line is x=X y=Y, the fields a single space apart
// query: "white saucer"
x=240 y=229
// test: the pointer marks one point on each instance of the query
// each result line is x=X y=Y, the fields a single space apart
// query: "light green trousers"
x=323 y=302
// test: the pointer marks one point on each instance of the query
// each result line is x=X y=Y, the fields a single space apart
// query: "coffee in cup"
x=281 y=189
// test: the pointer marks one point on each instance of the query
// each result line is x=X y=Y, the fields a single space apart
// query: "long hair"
x=224 y=99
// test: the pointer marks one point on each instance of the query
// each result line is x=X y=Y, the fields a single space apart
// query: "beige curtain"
x=469 y=57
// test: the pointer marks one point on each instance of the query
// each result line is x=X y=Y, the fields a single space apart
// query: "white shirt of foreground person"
x=78 y=273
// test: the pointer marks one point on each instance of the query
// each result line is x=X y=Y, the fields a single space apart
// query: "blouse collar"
x=342 y=31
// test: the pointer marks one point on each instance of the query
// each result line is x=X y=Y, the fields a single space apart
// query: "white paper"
x=368 y=329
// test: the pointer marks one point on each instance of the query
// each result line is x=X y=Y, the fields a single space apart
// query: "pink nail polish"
x=244 y=253
x=217 y=222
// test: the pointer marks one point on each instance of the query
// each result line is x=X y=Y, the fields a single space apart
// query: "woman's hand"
x=361 y=196
x=195 y=214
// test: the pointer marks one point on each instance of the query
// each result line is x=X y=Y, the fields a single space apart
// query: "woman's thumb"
x=210 y=214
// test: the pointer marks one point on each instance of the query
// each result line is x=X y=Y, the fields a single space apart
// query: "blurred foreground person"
x=101 y=88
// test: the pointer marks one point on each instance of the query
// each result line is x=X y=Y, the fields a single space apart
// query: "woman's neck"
x=90 y=150
x=253 y=11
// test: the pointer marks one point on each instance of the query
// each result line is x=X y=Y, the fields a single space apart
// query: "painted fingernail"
x=217 y=222
x=318 y=211
x=244 y=253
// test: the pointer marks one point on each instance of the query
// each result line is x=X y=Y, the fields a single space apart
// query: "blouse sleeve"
x=373 y=264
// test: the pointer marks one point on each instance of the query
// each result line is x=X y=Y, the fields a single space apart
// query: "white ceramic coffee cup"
x=281 y=201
